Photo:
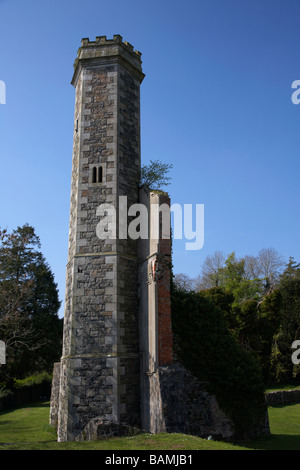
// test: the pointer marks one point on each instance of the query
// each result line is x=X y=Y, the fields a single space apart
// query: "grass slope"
x=27 y=429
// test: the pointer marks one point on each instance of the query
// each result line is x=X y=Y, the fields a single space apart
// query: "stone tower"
x=101 y=357
x=117 y=367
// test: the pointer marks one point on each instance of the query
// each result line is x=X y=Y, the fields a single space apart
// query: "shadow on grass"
x=284 y=424
x=275 y=442
x=35 y=404
x=41 y=404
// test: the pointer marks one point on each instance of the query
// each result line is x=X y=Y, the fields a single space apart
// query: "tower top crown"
x=103 y=49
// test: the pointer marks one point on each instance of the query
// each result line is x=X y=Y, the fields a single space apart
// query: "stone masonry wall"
x=54 y=399
x=99 y=372
x=188 y=408
x=282 y=397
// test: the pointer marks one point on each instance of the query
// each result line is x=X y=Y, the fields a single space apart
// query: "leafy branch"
x=155 y=175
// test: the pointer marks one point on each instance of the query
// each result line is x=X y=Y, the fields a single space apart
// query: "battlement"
x=103 y=49
x=102 y=40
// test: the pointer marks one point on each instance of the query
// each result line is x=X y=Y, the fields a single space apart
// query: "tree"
x=183 y=282
x=206 y=347
x=234 y=278
x=252 y=268
x=282 y=367
x=224 y=301
x=270 y=265
x=29 y=304
x=211 y=271
x=262 y=270
x=269 y=319
x=245 y=291
x=15 y=286
x=154 y=175
x=233 y=272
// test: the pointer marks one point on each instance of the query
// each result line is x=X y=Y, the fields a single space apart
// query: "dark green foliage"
x=223 y=300
x=282 y=367
x=248 y=325
x=252 y=323
x=269 y=317
x=32 y=380
x=29 y=304
x=208 y=349
x=261 y=308
x=154 y=175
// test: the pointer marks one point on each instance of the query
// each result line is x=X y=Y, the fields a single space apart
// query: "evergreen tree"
x=205 y=346
x=29 y=304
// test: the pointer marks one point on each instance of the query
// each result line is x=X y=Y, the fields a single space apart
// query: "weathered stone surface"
x=282 y=397
x=156 y=339
x=188 y=408
x=54 y=399
x=101 y=355
x=98 y=429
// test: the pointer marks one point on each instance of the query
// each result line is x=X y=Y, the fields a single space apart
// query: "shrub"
x=35 y=379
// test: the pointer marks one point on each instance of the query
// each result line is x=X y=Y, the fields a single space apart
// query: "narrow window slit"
x=100 y=174
x=94 y=175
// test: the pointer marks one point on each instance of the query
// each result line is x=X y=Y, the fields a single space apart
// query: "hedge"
x=206 y=347
x=28 y=390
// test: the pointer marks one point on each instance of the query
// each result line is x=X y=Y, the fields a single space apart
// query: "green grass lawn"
x=28 y=429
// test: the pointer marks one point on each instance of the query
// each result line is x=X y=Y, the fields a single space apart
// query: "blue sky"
x=216 y=103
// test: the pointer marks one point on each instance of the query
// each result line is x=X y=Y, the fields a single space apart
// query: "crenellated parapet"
x=104 y=50
x=103 y=41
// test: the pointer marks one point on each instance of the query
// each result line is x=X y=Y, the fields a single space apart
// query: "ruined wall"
x=163 y=279
x=188 y=408
x=155 y=308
